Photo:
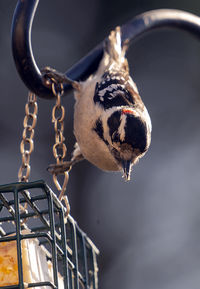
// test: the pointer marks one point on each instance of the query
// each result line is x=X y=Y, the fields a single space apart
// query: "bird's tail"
x=114 y=47
x=114 y=50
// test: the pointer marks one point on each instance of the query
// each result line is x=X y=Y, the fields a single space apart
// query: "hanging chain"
x=27 y=144
x=59 y=148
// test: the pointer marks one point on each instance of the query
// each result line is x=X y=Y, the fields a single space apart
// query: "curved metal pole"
x=22 y=48
x=160 y=18
x=28 y=69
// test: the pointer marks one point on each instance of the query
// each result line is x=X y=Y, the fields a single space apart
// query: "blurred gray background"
x=147 y=230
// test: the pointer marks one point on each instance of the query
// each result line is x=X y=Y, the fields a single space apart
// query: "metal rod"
x=64 y=248
x=160 y=18
x=53 y=243
x=74 y=254
x=26 y=64
x=84 y=257
x=18 y=239
x=22 y=48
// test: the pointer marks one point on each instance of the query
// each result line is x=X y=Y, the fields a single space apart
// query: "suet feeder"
x=71 y=256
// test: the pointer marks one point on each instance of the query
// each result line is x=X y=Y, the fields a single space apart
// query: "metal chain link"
x=27 y=145
x=59 y=148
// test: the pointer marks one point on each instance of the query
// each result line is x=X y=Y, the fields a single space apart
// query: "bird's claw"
x=51 y=73
x=58 y=169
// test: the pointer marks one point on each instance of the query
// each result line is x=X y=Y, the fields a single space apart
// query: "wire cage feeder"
x=70 y=252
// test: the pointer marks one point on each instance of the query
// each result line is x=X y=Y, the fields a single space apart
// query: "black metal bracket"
x=26 y=64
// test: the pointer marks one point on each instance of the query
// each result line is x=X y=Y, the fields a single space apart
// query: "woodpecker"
x=111 y=123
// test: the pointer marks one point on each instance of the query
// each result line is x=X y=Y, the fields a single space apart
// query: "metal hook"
x=28 y=69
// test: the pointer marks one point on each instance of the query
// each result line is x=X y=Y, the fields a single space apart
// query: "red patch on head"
x=127 y=111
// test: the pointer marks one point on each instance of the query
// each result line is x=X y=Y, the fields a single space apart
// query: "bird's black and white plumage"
x=111 y=124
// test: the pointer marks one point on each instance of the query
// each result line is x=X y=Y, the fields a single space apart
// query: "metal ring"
x=58 y=90
x=59 y=126
x=31 y=117
x=32 y=105
x=59 y=137
x=28 y=132
x=24 y=168
x=63 y=150
x=56 y=110
x=26 y=158
x=30 y=143
x=29 y=71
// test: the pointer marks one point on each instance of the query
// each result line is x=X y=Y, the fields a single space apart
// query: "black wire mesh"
x=33 y=211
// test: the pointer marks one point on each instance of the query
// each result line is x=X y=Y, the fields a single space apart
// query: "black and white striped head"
x=127 y=136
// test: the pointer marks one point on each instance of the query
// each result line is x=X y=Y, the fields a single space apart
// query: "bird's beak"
x=126 y=165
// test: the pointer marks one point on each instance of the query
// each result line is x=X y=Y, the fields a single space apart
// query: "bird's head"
x=128 y=137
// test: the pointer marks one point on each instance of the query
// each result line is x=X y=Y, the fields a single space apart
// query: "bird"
x=112 y=126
